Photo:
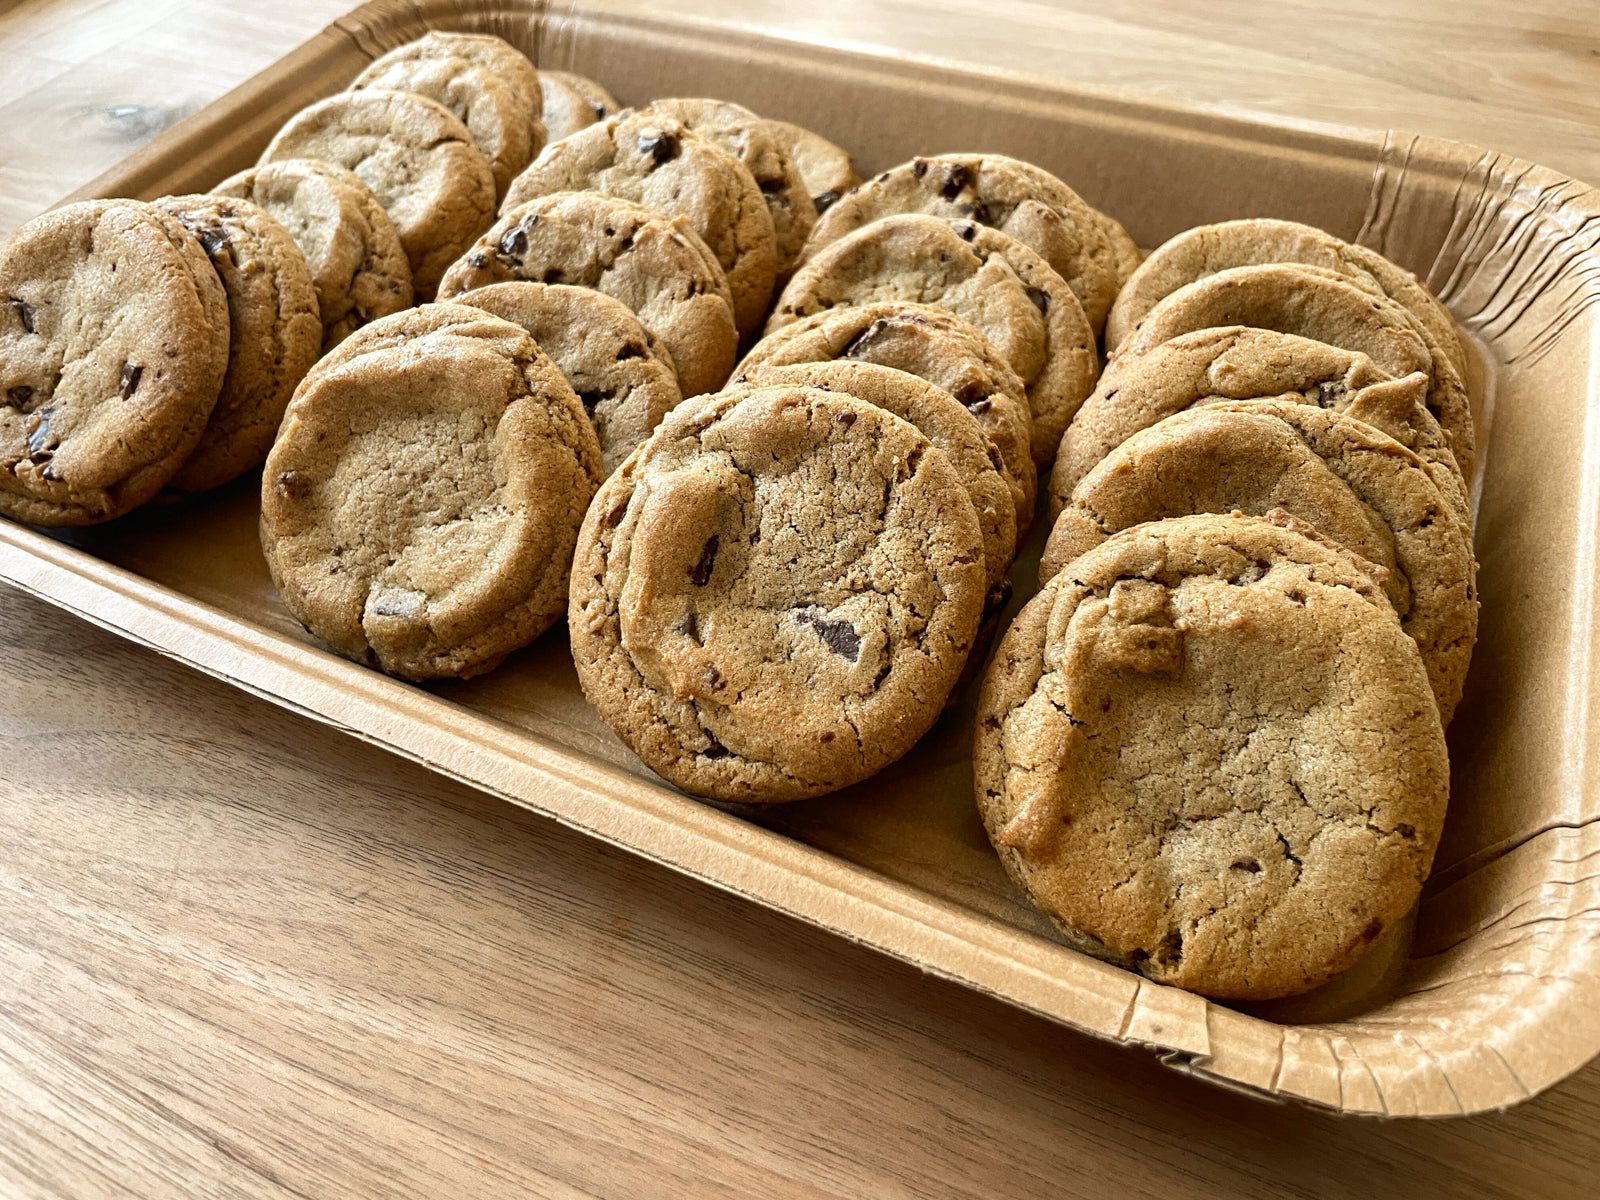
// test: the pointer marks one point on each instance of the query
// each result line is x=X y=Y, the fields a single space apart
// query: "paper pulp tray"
x=1490 y=994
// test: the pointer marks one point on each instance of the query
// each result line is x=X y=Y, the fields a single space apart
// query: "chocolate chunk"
x=39 y=435
x=824 y=202
x=700 y=573
x=838 y=636
x=131 y=375
x=514 y=242
x=714 y=679
x=24 y=313
x=1040 y=298
x=1249 y=866
x=846 y=419
x=478 y=261
x=919 y=168
x=856 y=344
x=213 y=239
x=995 y=459
x=661 y=147
x=19 y=395
x=1329 y=394
x=967 y=230
x=959 y=177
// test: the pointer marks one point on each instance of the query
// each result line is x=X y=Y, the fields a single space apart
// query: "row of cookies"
x=1211 y=748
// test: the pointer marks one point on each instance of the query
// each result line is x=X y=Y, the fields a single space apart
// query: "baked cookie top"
x=275 y=332
x=419 y=508
x=1003 y=288
x=1015 y=197
x=1207 y=249
x=1235 y=362
x=945 y=423
x=755 y=144
x=1343 y=311
x=933 y=344
x=499 y=109
x=656 y=265
x=773 y=597
x=1209 y=753
x=358 y=266
x=826 y=169
x=416 y=156
x=653 y=159
x=621 y=373
x=562 y=108
x=113 y=346
x=1351 y=483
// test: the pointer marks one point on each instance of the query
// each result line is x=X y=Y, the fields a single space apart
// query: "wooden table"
x=244 y=955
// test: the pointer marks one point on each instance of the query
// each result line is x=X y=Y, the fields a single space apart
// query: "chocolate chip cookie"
x=1001 y=286
x=752 y=141
x=1208 y=249
x=563 y=109
x=1015 y=197
x=113 y=346
x=358 y=266
x=656 y=265
x=420 y=506
x=622 y=374
x=935 y=345
x=1208 y=752
x=827 y=170
x=1344 y=478
x=1326 y=307
x=1238 y=363
x=653 y=159
x=418 y=159
x=945 y=423
x=465 y=73
x=275 y=333
x=773 y=597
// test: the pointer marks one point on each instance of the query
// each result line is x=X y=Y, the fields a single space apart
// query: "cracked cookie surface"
x=773 y=597
x=653 y=159
x=1209 y=754
x=421 y=503
x=1347 y=480
x=654 y=264
x=418 y=159
x=113 y=346
x=1003 y=288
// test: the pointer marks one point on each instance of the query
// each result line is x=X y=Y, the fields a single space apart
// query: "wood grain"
x=244 y=955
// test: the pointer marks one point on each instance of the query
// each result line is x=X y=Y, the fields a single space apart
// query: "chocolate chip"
x=1249 y=866
x=630 y=350
x=998 y=463
x=1040 y=298
x=213 y=239
x=978 y=212
x=838 y=636
x=856 y=344
x=716 y=749
x=478 y=261
x=1329 y=394
x=554 y=275
x=39 y=435
x=824 y=202
x=967 y=230
x=884 y=178
x=24 y=313
x=700 y=573
x=846 y=419
x=714 y=679
x=825 y=736
x=661 y=147
x=954 y=182
x=131 y=374
x=919 y=168
x=20 y=395
x=514 y=241
x=1373 y=929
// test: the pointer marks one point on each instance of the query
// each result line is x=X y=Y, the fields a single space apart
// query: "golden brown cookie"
x=1342 y=477
x=1209 y=753
x=420 y=506
x=773 y=597
x=656 y=265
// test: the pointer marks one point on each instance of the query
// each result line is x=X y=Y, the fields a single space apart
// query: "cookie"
x=622 y=374
x=773 y=597
x=1208 y=249
x=1238 y=363
x=275 y=333
x=418 y=159
x=601 y=102
x=1123 y=248
x=1325 y=307
x=113 y=347
x=454 y=69
x=1015 y=197
x=563 y=110
x=1001 y=286
x=827 y=170
x=947 y=426
x=1208 y=752
x=751 y=140
x=932 y=344
x=654 y=160
x=358 y=266
x=1347 y=480
x=420 y=506
x=656 y=265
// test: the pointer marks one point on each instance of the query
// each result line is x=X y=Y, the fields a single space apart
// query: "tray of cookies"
x=784 y=463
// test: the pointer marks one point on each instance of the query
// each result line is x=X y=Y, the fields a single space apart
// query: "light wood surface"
x=244 y=955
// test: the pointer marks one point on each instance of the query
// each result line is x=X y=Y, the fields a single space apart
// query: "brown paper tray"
x=1490 y=994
